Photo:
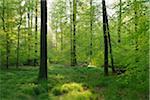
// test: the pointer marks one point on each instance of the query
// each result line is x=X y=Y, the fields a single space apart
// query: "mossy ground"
x=68 y=83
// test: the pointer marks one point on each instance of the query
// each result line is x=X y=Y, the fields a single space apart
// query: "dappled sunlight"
x=74 y=50
x=72 y=83
x=57 y=76
x=73 y=91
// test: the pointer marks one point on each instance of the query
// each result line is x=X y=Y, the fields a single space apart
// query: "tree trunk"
x=91 y=30
x=61 y=37
x=105 y=39
x=29 y=37
x=43 y=42
x=7 y=50
x=136 y=23
x=56 y=35
x=36 y=32
x=74 y=61
x=31 y=44
x=4 y=29
x=71 y=45
x=110 y=46
x=18 y=38
x=120 y=22
x=0 y=58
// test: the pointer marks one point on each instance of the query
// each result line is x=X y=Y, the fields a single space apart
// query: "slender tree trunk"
x=36 y=32
x=7 y=36
x=0 y=58
x=61 y=37
x=29 y=37
x=18 y=37
x=7 y=50
x=4 y=29
x=43 y=41
x=74 y=62
x=105 y=39
x=110 y=46
x=56 y=35
x=18 y=46
x=30 y=18
x=18 y=42
x=31 y=44
x=136 y=23
x=136 y=26
x=26 y=38
x=3 y=16
x=120 y=22
x=71 y=45
x=91 y=30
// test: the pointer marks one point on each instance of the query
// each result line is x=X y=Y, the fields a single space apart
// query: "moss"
x=67 y=83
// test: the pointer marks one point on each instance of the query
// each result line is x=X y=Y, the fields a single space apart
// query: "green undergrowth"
x=69 y=83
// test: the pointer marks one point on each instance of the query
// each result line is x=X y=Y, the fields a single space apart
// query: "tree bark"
x=105 y=39
x=43 y=42
x=120 y=22
x=74 y=60
x=18 y=35
x=7 y=50
x=56 y=35
x=7 y=35
x=36 y=32
x=91 y=30
x=136 y=23
x=18 y=39
x=28 y=37
x=110 y=46
x=71 y=45
x=61 y=36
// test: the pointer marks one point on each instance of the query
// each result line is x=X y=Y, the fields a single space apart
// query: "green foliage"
x=79 y=83
x=66 y=88
x=75 y=83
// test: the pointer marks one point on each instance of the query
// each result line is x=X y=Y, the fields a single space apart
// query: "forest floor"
x=66 y=83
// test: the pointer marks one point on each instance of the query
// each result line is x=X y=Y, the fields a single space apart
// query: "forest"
x=74 y=49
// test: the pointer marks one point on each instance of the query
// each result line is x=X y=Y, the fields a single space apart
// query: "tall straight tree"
x=136 y=22
x=91 y=29
x=110 y=46
x=5 y=29
x=74 y=60
x=61 y=36
x=120 y=20
x=21 y=12
x=43 y=42
x=105 y=38
x=56 y=35
x=18 y=36
x=71 y=26
x=36 y=31
x=29 y=34
x=106 y=31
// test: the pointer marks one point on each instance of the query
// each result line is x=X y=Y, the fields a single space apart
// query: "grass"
x=68 y=83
